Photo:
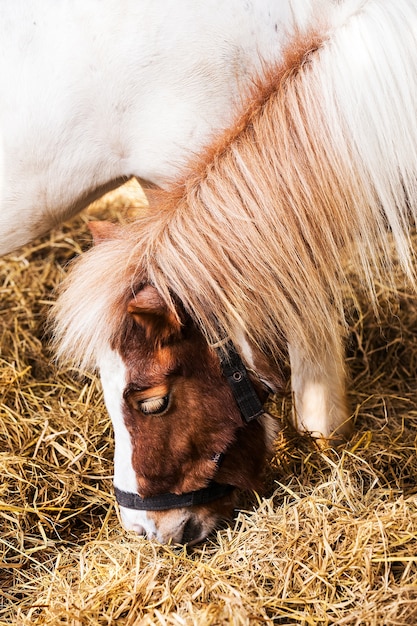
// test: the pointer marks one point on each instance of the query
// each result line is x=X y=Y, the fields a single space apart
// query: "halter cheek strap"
x=250 y=408
x=237 y=376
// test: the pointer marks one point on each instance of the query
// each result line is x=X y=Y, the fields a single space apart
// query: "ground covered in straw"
x=334 y=541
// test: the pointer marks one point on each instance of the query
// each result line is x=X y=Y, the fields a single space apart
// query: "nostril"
x=138 y=529
x=191 y=532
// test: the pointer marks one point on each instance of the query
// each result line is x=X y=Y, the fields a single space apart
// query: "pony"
x=95 y=93
x=249 y=247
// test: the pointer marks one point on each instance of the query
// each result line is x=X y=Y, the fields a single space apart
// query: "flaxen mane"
x=320 y=169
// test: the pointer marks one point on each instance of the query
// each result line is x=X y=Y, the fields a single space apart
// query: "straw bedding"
x=333 y=541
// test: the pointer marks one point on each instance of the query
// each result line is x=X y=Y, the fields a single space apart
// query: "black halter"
x=250 y=408
x=167 y=501
x=237 y=376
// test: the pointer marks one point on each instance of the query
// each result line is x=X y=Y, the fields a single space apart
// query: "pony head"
x=178 y=428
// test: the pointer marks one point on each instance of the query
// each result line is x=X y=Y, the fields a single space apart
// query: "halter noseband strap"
x=167 y=501
x=250 y=408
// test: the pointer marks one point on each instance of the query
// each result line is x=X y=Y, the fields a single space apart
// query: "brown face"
x=180 y=413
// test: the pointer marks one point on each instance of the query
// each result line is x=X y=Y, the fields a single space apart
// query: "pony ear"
x=150 y=311
x=102 y=230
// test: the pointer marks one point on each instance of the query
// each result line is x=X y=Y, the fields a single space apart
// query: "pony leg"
x=319 y=395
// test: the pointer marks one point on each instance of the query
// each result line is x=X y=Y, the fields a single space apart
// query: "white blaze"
x=113 y=379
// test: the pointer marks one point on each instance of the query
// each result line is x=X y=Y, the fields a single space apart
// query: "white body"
x=95 y=92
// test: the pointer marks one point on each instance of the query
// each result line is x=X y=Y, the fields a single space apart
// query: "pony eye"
x=154 y=406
